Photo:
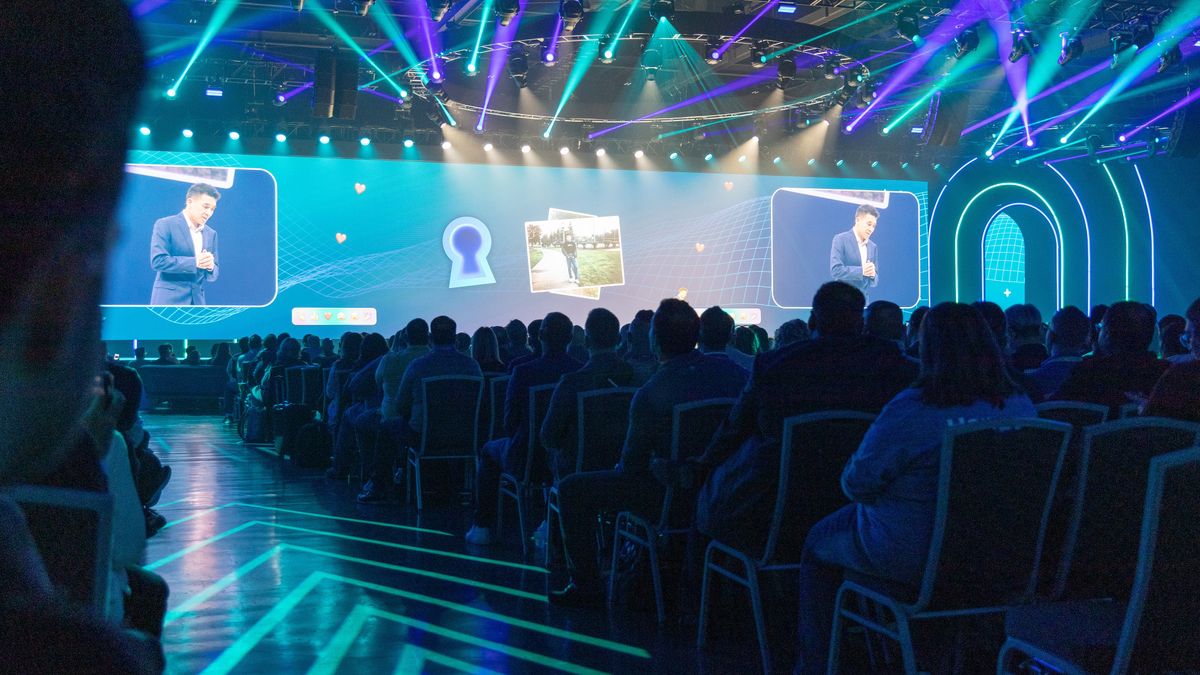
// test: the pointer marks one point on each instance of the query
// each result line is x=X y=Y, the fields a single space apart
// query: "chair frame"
x=417 y=455
x=752 y=567
x=496 y=419
x=101 y=503
x=518 y=489
x=1102 y=410
x=553 y=513
x=905 y=612
x=1127 y=641
x=651 y=536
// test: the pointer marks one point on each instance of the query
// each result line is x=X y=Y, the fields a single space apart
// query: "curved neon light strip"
x=1058 y=271
x=958 y=229
x=929 y=231
x=1150 y=220
x=1087 y=231
x=1124 y=221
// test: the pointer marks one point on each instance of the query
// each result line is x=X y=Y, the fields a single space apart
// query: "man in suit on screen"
x=853 y=255
x=183 y=250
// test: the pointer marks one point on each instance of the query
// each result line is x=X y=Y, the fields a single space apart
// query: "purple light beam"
x=748 y=81
x=762 y=12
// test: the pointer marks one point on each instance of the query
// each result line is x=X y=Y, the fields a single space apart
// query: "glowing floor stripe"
x=184 y=608
x=349 y=537
x=354 y=623
x=414 y=658
x=306 y=513
x=232 y=656
x=164 y=505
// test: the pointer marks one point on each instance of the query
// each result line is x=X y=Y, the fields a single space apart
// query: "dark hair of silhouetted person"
x=961 y=362
x=675 y=327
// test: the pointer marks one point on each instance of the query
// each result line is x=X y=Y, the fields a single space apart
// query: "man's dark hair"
x=243 y=344
x=745 y=340
x=837 y=310
x=995 y=319
x=535 y=337
x=256 y=341
x=202 y=190
x=790 y=332
x=1070 y=331
x=675 y=327
x=139 y=353
x=914 y=324
x=1024 y=322
x=442 y=331
x=716 y=329
x=417 y=332
x=1128 y=328
x=961 y=362
x=602 y=329
x=351 y=346
x=517 y=333
x=289 y=350
x=865 y=210
x=555 y=332
x=462 y=342
x=501 y=336
x=270 y=342
x=764 y=338
x=164 y=350
x=1193 y=312
x=326 y=346
x=884 y=320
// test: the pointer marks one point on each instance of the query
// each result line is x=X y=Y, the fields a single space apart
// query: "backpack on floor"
x=313 y=446
x=255 y=423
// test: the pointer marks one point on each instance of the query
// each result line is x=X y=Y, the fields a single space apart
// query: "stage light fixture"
x=840 y=163
x=1072 y=48
x=966 y=42
x=235 y=135
x=777 y=160
x=758 y=54
x=1143 y=32
x=600 y=152
x=673 y=155
x=525 y=149
x=145 y=131
x=298 y=5
x=487 y=147
x=280 y=137
x=829 y=69
x=1093 y=145
x=564 y=151
x=606 y=53
x=708 y=157
x=408 y=142
x=364 y=141
x=639 y=154
x=518 y=68
x=712 y=51
x=908 y=24
x=172 y=92
x=187 y=133
x=446 y=145
x=874 y=164
x=904 y=165
x=280 y=98
x=549 y=55
x=662 y=10
x=812 y=161
x=361 y=7
x=785 y=71
x=1024 y=43
x=1169 y=58
x=652 y=60
x=323 y=139
x=506 y=10
x=438 y=9
x=571 y=12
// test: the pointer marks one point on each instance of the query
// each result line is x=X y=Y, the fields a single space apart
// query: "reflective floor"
x=274 y=569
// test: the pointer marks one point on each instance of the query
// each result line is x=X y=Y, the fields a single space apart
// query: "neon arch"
x=1058 y=269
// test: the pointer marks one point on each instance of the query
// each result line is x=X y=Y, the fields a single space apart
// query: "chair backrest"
x=1129 y=410
x=498 y=390
x=539 y=405
x=1102 y=538
x=693 y=426
x=1161 y=630
x=814 y=450
x=996 y=479
x=73 y=531
x=311 y=389
x=293 y=385
x=603 y=423
x=1076 y=413
x=451 y=413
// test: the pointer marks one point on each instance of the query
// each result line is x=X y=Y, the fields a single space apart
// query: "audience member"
x=535 y=347
x=221 y=357
x=745 y=341
x=518 y=339
x=328 y=356
x=139 y=357
x=884 y=320
x=1191 y=335
x=998 y=323
x=1096 y=317
x=349 y=347
x=272 y=382
x=1123 y=369
x=502 y=342
x=912 y=341
x=843 y=369
x=578 y=348
x=1026 y=338
x=166 y=356
x=509 y=454
x=486 y=352
x=685 y=375
x=266 y=356
x=892 y=479
x=1066 y=342
x=462 y=342
x=790 y=332
x=393 y=365
x=193 y=356
x=312 y=348
x=639 y=354
x=764 y=338
x=361 y=396
x=716 y=338
x=604 y=369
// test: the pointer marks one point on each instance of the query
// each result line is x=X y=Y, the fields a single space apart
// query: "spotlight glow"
x=841 y=163
x=471 y=67
x=777 y=160
x=812 y=161
x=280 y=137
x=487 y=147
x=323 y=139
x=741 y=159
x=639 y=154
x=145 y=131
x=446 y=145
x=408 y=142
x=875 y=164
x=234 y=135
x=364 y=141
x=525 y=149
x=564 y=151
x=708 y=157
x=187 y=133
x=1029 y=143
x=674 y=155
x=171 y=92
x=1119 y=138
x=600 y=152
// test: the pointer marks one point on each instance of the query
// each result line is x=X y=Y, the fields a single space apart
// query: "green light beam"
x=1045 y=60
x=1008 y=122
x=220 y=15
x=1053 y=149
x=334 y=27
x=445 y=111
x=611 y=50
x=669 y=134
x=484 y=14
x=956 y=71
x=1124 y=221
x=886 y=10
x=391 y=29
x=584 y=57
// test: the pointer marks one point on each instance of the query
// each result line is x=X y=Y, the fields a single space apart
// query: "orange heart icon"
x=360 y=188
x=728 y=185
x=699 y=247
x=341 y=238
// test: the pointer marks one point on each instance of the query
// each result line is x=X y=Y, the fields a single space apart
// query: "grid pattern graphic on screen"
x=1004 y=251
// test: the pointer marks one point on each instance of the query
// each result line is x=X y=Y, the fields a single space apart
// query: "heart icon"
x=328 y=316
x=728 y=185
x=699 y=247
x=360 y=188
x=341 y=238
x=682 y=294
